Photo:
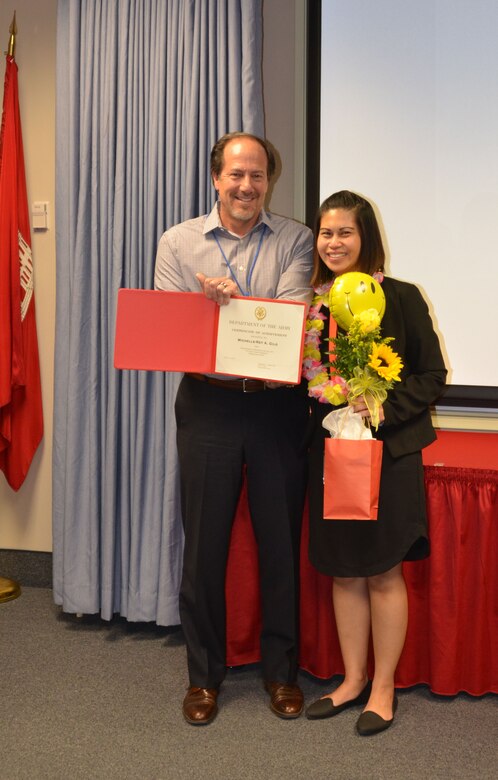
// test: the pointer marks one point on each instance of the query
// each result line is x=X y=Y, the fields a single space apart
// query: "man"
x=225 y=424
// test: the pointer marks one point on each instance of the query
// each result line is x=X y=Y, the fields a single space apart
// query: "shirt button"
x=241 y=267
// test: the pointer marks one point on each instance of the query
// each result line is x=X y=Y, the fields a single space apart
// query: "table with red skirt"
x=452 y=637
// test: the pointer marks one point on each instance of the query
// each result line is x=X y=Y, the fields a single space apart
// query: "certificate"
x=261 y=338
x=158 y=330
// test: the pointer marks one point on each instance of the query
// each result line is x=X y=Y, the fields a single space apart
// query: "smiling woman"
x=339 y=242
x=391 y=391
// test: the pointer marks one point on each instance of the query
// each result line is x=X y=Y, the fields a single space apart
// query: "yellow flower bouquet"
x=363 y=359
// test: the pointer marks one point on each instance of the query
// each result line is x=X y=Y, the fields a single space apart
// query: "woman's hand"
x=217 y=289
x=359 y=407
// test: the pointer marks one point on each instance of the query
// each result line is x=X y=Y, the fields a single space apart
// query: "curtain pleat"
x=144 y=88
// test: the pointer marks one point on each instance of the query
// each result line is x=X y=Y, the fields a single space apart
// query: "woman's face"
x=339 y=241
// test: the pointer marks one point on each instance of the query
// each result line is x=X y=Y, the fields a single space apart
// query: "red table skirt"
x=452 y=639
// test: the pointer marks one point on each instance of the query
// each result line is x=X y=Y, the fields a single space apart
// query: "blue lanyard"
x=251 y=269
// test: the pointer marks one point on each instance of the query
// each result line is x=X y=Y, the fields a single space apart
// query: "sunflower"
x=385 y=362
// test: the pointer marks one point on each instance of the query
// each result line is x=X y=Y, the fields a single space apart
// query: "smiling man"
x=227 y=424
x=241 y=180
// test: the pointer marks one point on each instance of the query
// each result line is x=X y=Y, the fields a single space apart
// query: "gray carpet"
x=84 y=699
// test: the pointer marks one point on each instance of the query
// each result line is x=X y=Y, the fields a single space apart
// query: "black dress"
x=351 y=548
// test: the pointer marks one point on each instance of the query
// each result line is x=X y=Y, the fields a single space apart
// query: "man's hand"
x=217 y=289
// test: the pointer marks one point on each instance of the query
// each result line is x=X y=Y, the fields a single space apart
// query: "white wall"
x=25 y=516
x=283 y=92
x=410 y=119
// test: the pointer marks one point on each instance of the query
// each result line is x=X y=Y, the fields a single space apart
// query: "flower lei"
x=320 y=385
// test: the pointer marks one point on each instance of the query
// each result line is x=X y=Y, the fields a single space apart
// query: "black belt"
x=242 y=385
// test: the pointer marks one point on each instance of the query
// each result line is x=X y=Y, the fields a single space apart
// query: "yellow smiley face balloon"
x=353 y=293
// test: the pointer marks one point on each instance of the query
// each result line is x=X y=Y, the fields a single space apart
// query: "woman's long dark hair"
x=372 y=255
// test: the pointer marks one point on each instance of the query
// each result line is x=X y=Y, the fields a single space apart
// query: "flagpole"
x=12 y=37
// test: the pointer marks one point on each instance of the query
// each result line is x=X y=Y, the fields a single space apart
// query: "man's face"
x=242 y=184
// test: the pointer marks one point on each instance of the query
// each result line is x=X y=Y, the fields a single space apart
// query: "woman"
x=365 y=558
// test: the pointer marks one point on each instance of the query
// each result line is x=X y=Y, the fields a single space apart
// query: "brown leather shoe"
x=287 y=699
x=199 y=706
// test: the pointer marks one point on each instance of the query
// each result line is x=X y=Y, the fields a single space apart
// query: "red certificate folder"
x=165 y=331
x=160 y=330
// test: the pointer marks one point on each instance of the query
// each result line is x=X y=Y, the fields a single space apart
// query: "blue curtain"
x=144 y=88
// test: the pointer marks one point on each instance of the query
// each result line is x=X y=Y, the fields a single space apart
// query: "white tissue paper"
x=345 y=424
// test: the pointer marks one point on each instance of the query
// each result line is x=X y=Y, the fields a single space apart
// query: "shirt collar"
x=213 y=221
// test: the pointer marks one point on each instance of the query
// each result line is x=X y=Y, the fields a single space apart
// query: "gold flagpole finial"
x=12 y=37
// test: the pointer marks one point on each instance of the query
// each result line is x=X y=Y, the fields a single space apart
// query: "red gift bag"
x=351 y=477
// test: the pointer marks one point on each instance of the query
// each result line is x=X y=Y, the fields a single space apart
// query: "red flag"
x=21 y=415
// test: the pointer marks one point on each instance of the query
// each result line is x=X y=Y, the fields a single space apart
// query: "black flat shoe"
x=370 y=723
x=325 y=708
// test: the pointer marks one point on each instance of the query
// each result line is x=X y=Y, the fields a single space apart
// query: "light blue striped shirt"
x=281 y=269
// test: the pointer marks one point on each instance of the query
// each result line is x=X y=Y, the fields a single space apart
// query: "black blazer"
x=407 y=426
